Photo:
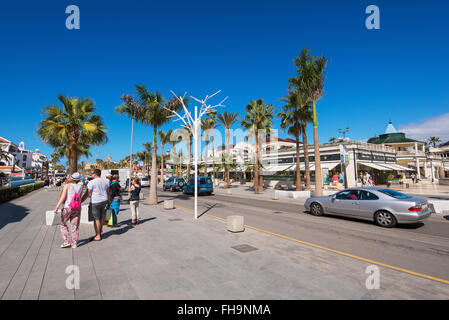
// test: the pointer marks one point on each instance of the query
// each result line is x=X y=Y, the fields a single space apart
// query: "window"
x=209 y=181
x=366 y=195
x=394 y=194
x=202 y=181
x=347 y=195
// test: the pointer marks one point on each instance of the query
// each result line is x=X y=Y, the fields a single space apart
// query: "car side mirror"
x=333 y=197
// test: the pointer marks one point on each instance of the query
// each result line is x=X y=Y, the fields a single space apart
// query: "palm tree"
x=155 y=114
x=100 y=163
x=73 y=123
x=434 y=141
x=258 y=117
x=165 y=138
x=291 y=121
x=206 y=125
x=332 y=139
x=173 y=154
x=310 y=81
x=148 y=150
x=227 y=119
x=132 y=109
x=189 y=152
x=297 y=100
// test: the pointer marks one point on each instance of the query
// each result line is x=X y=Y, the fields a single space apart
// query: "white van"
x=123 y=175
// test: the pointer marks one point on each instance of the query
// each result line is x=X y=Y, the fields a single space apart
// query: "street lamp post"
x=193 y=124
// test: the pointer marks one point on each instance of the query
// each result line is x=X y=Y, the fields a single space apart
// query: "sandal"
x=93 y=239
x=65 y=245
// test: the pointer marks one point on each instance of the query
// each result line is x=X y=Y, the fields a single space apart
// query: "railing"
x=410 y=153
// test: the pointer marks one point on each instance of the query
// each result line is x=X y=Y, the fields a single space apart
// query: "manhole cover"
x=244 y=248
x=176 y=219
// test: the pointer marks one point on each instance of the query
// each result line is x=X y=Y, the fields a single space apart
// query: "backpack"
x=75 y=204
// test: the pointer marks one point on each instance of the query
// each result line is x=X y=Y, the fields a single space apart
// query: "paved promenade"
x=172 y=256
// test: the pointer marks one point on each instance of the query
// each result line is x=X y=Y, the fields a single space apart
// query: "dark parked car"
x=174 y=184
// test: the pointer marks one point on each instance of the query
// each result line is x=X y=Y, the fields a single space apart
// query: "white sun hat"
x=76 y=176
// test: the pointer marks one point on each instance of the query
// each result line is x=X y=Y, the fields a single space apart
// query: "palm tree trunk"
x=153 y=189
x=205 y=153
x=213 y=161
x=162 y=166
x=72 y=156
x=306 y=156
x=228 y=137
x=256 y=163
x=298 y=166
x=318 y=173
x=189 y=155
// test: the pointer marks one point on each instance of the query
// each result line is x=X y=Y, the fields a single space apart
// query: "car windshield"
x=394 y=194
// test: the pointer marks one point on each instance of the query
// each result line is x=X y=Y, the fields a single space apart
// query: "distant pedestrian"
x=413 y=176
x=58 y=184
x=134 y=200
x=100 y=199
x=71 y=211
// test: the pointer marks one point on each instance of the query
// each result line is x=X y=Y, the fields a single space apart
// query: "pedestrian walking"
x=100 y=199
x=134 y=200
x=361 y=178
x=71 y=211
x=58 y=184
x=413 y=176
x=115 y=201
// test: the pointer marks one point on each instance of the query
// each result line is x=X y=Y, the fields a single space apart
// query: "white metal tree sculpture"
x=193 y=123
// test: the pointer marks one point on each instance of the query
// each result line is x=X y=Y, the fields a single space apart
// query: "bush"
x=389 y=177
x=7 y=194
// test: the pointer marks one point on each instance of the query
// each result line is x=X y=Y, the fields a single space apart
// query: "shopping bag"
x=52 y=219
x=108 y=215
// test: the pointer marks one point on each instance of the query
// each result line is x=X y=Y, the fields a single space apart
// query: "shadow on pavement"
x=10 y=213
x=210 y=207
x=124 y=227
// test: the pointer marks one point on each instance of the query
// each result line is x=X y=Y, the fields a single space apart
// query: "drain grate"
x=176 y=219
x=244 y=248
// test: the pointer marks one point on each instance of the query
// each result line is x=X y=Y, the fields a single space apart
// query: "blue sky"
x=244 y=48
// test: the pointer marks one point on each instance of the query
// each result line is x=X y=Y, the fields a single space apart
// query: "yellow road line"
x=425 y=276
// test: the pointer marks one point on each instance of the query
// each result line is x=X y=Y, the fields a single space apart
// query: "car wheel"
x=181 y=184
x=385 y=219
x=316 y=209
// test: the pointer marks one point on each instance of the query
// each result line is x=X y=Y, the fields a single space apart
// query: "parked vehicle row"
x=385 y=207
x=205 y=185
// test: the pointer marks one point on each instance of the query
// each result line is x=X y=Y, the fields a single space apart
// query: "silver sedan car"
x=385 y=207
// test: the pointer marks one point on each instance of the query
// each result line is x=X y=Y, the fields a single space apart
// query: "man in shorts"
x=100 y=199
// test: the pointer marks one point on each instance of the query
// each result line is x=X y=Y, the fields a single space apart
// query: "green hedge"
x=7 y=194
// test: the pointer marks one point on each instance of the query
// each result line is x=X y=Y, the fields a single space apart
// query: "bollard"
x=275 y=195
x=52 y=219
x=235 y=224
x=168 y=204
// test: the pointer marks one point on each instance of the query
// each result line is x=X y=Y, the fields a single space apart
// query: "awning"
x=375 y=166
x=400 y=168
x=276 y=168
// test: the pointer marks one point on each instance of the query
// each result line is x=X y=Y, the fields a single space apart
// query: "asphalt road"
x=421 y=247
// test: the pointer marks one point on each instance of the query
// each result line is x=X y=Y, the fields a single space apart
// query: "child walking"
x=134 y=200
